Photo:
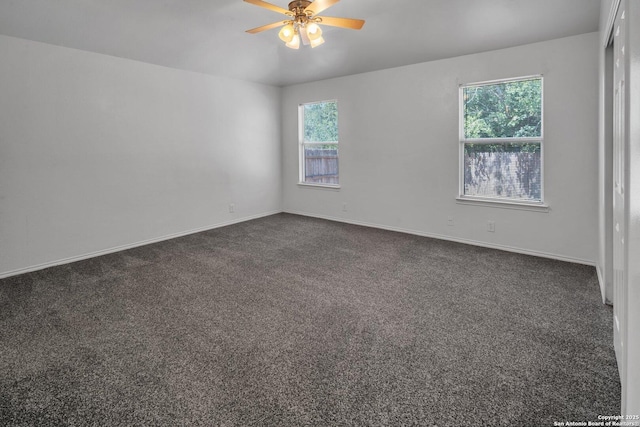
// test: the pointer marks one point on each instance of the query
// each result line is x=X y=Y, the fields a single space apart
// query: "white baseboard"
x=603 y=285
x=330 y=218
x=452 y=239
x=130 y=245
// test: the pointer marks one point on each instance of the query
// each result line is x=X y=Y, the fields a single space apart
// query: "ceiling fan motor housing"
x=297 y=7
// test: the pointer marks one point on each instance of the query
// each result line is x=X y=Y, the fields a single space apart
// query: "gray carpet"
x=295 y=321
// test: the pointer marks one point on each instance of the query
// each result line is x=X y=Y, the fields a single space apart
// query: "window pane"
x=321 y=122
x=321 y=164
x=503 y=170
x=503 y=110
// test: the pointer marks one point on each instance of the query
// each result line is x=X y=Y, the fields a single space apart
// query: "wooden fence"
x=321 y=165
x=503 y=174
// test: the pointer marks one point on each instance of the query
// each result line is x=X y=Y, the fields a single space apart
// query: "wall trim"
x=449 y=238
x=505 y=248
x=111 y=250
x=608 y=30
x=602 y=284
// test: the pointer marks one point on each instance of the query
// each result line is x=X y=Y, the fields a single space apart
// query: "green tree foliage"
x=503 y=110
x=321 y=122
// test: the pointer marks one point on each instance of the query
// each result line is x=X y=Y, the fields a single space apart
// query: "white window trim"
x=500 y=201
x=320 y=186
x=302 y=143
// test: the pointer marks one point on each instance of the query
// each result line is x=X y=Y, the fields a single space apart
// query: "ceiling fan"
x=303 y=21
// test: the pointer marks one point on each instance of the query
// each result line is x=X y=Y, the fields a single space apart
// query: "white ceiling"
x=208 y=36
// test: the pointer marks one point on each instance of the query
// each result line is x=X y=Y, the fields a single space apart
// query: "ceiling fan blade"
x=268 y=6
x=319 y=5
x=353 y=24
x=266 y=27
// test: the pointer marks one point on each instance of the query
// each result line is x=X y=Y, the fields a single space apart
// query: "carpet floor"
x=295 y=321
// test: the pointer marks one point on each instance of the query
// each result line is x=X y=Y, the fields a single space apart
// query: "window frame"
x=302 y=144
x=462 y=140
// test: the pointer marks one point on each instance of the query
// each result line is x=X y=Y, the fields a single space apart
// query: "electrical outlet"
x=344 y=207
x=232 y=208
x=491 y=226
x=450 y=221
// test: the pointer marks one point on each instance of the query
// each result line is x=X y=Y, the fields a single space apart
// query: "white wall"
x=98 y=152
x=399 y=149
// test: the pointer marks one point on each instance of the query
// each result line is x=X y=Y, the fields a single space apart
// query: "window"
x=319 y=143
x=501 y=140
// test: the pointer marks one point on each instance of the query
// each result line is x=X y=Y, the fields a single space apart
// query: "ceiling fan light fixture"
x=314 y=31
x=294 y=43
x=317 y=42
x=302 y=24
x=287 y=33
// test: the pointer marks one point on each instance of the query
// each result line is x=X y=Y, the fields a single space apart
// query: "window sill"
x=503 y=204
x=320 y=186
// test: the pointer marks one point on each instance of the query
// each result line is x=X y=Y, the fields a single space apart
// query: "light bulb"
x=294 y=43
x=314 y=31
x=286 y=33
x=317 y=42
